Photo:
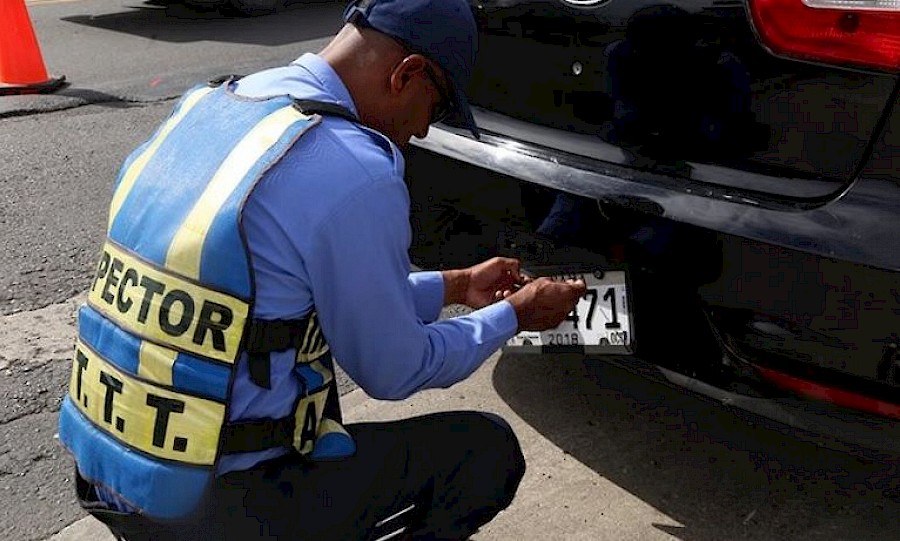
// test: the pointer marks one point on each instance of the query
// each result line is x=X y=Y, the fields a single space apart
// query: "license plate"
x=600 y=323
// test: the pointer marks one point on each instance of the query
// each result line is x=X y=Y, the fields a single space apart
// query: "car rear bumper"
x=864 y=213
x=824 y=424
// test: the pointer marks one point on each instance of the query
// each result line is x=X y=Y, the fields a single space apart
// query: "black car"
x=725 y=173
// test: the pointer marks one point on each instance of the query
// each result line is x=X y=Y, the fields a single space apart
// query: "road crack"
x=81 y=97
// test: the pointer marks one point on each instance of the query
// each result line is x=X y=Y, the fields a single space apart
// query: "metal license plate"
x=600 y=323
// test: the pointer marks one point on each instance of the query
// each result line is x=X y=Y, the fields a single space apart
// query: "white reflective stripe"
x=862 y=5
x=187 y=246
x=137 y=166
x=392 y=535
x=395 y=515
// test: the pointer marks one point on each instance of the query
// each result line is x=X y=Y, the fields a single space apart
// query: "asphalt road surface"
x=710 y=473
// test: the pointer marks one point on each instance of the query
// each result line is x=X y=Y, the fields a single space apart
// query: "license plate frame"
x=608 y=302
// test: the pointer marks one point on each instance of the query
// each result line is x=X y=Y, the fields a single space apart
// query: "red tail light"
x=863 y=33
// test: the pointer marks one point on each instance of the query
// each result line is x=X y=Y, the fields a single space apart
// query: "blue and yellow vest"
x=169 y=314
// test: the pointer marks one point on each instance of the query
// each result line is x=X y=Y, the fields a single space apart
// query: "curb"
x=86 y=529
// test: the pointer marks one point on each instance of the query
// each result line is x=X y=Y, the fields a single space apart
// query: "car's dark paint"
x=678 y=85
x=786 y=256
x=859 y=226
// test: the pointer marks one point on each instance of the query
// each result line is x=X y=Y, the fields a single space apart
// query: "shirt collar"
x=328 y=78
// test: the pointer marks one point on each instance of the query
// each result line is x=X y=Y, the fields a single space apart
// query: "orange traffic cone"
x=22 y=69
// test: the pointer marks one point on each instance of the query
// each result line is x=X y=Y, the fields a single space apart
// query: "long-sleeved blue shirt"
x=328 y=230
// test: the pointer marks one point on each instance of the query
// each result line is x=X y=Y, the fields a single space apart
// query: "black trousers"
x=435 y=477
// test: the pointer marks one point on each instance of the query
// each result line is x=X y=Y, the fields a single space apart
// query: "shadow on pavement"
x=721 y=474
x=177 y=23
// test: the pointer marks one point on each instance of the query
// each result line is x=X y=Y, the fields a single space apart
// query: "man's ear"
x=405 y=71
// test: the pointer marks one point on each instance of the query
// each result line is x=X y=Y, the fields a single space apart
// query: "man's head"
x=407 y=63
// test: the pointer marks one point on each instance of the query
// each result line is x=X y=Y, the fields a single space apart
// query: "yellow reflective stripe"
x=308 y=416
x=303 y=357
x=137 y=166
x=187 y=246
x=314 y=344
x=330 y=426
x=311 y=329
x=154 y=420
x=327 y=375
x=165 y=308
x=156 y=362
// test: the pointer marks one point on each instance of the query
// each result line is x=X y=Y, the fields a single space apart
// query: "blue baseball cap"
x=443 y=31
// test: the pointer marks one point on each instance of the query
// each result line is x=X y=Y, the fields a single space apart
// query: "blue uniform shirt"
x=328 y=229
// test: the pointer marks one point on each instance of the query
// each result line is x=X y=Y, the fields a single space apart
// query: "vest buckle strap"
x=260 y=370
x=266 y=336
x=314 y=107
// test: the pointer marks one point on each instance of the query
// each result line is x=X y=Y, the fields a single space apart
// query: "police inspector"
x=260 y=234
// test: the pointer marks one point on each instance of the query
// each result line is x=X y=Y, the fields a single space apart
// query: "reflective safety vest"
x=169 y=313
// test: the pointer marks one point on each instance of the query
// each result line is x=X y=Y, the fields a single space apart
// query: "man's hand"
x=543 y=304
x=540 y=304
x=482 y=284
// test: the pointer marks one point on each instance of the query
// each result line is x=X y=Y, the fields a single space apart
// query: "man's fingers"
x=500 y=295
x=579 y=285
x=510 y=262
x=510 y=267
